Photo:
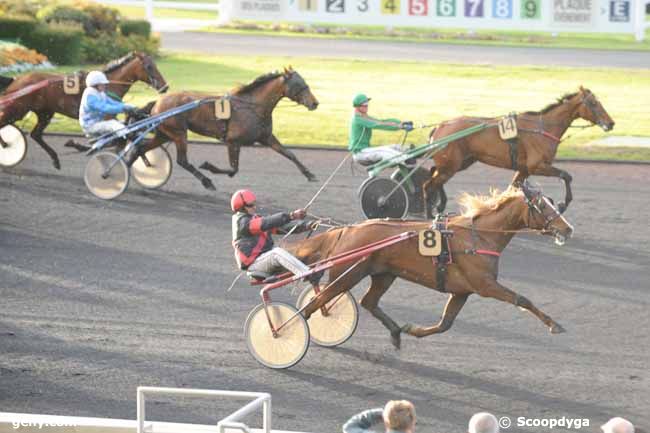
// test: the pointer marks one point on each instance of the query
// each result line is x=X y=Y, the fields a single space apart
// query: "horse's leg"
x=277 y=146
x=455 y=303
x=44 y=118
x=430 y=185
x=180 y=140
x=549 y=170
x=79 y=147
x=370 y=301
x=493 y=289
x=341 y=283
x=233 y=158
x=518 y=178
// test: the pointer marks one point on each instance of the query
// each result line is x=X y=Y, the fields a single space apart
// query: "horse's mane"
x=256 y=82
x=552 y=105
x=118 y=63
x=476 y=205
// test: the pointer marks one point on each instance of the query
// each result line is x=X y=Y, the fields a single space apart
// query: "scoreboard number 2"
x=335 y=6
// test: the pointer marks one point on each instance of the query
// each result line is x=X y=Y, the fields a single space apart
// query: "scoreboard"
x=615 y=16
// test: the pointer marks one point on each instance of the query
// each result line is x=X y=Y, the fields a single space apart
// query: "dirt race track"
x=99 y=297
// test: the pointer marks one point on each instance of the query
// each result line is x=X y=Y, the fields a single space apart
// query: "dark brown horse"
x=122 y=73
x=484 y=229
x=534 y=150
x=250 y=122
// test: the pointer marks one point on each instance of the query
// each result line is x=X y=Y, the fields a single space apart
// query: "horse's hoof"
x=310 y=177
x=56 y=164
x=232 y=174
x=561 y=207
x=557 y=329
x=203 y=166
x=406 y=329
x=396 y=339
x=207 y=184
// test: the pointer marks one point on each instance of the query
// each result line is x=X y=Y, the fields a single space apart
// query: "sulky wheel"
x=13 y=146
x=376 y=202
x=155 y=171
x=106 y=175
x=339 y=322
x=288 y=346
x=416 y=198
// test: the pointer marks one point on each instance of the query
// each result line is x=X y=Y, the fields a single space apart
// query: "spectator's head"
x=400 y=415
x=618 y=425
x=483 y=422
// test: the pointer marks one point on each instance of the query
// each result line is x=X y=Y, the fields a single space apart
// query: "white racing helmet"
x=95 y=77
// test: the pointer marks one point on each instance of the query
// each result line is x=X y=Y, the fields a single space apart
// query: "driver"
x=96 y=104
x=361 y=133
x=252 y=241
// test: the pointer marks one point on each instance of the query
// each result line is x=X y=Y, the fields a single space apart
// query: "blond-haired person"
x=483 y=422
x=398 y=416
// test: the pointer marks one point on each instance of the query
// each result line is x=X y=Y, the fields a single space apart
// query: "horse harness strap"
x=444 y=259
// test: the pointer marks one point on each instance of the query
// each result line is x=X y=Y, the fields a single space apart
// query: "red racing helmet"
x=241 y=198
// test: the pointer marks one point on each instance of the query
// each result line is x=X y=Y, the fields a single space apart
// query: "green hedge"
x=66 y=15
x=135 y=27
x=62 y=45
x=106 y=47
x=16 y=28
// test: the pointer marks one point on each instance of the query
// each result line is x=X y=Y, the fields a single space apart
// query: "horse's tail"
x=5 y=82
x=432 y=133
x=140 y=113
x=148 y=107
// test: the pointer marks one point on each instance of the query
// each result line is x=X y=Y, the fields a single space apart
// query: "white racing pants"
x=372 y=155
x=278 y=258
x=104 y=127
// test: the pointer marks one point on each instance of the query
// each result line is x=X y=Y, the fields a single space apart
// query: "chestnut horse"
x=540 y=133
x=122 y=73
x=250 y=122
x=480 y=234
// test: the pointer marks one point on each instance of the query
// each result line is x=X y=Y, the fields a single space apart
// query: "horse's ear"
x=582 y=89
x=286 y=71
x=290 y=68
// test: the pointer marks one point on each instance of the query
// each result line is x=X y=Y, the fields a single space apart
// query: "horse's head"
x=146 y=71
x=592 y=110
x=544 y=216
x=296 y=89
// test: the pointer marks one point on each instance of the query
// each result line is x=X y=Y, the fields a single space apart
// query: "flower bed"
x=16 y=58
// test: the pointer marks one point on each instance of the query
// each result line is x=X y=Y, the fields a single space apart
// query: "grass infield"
x=426 y=93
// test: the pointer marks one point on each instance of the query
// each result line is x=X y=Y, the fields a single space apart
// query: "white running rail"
x=230 y=422
x=640 y=24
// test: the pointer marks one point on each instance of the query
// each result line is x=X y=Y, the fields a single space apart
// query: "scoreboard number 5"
x=418 y=7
